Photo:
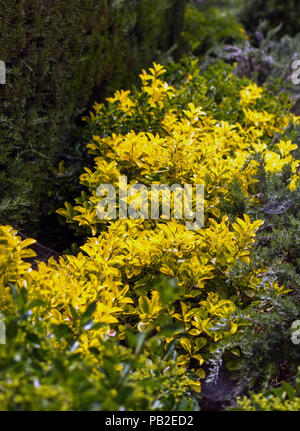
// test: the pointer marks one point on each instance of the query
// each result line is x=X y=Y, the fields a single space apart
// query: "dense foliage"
x=58 y=56
x=274 y=12
x=284 y=398
x=137 y=316
x=148 y=311
x=206 y=27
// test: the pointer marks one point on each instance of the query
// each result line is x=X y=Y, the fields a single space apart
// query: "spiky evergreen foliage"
x=264 y=349
x=58 y=56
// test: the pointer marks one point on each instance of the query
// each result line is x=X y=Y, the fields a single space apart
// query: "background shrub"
x=59 y=55
x=284 y=398
x=274 y=12
x=209 y=24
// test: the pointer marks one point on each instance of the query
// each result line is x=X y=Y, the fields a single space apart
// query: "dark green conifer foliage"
x=60 y=57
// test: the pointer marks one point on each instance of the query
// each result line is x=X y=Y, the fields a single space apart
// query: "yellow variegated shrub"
x=120 y=265
x=13 y=268
x=189 y=146
x=116 y=269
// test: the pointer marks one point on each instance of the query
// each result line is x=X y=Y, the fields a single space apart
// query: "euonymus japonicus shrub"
x=41 y=367
x=154 y=279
